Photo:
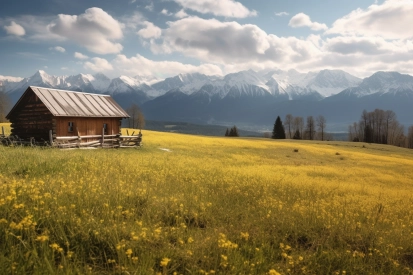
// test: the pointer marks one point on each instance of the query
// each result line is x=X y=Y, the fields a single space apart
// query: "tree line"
x=233 y=132
x=294 y=128
x=380 y=126
x=136 y=119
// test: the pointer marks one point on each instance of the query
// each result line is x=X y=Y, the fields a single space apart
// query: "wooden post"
x=103 y=135
x=78 y=138
x=2 y=131
x=51 y=137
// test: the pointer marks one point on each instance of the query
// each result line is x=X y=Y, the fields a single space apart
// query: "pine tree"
x=234 y=132
x=278 y=132
x=227 y=132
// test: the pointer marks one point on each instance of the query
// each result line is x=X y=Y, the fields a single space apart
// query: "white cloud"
x=283 y=13
x=150 y=7
x=134 y=20
x=227 y=8
x=98 y=65
x=64 y=68
x=80 y=56
x=35 y=27
x=10 y=78
x=58 y=49
x=95 y=30
x=181 y=14
x=361 y=45
x=231 y=43
x=303 y=20
x=166 y=12
x=15 y=29
x=150 y=30
x=139 y=65
x=391 y=20
x=234 y=47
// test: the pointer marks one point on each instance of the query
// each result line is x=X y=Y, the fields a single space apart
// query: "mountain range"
x=245 y=98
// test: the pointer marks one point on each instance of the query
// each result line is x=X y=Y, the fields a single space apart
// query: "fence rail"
x=88 y=141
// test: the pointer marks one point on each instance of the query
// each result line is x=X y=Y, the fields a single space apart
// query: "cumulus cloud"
x=391 y=20
x=15 y=29
x=230 y=42
x=360 y=45
x=58 y=49
x=283 y=13
x=10 y=78
x=139 y=65
x=98 y=65
x=80 y=56
x=150 y=30
x=133 y=21
x=150 y=7
x=181 y=14
x=166 y=12
x=303 y=20
x=95 y=30
x=227 y=8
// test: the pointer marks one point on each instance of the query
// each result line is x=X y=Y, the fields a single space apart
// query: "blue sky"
x=215 y=37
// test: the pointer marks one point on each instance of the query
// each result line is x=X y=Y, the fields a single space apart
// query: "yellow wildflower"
x=273 y=272
x=165 y=261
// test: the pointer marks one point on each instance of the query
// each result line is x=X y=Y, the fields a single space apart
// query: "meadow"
x=185 y=204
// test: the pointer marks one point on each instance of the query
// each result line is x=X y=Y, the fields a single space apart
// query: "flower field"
x=186 y=204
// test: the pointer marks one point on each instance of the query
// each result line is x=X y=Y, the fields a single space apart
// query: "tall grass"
x=202 y=205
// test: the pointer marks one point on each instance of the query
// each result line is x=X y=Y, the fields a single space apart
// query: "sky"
x=215 y=37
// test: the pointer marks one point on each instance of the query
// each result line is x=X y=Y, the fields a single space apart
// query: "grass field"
x=186 y=204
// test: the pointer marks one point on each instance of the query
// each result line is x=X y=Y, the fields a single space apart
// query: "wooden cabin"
x=43 y=113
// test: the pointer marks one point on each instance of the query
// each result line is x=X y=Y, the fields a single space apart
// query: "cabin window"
x=70 y=126
x=105 y=128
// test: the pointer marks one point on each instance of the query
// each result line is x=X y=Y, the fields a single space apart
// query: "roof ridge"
x=68 y=91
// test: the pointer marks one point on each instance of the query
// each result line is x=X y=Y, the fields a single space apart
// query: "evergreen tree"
x=297 y=135
x=234 y=132
x=227 y=132
x=278 y=132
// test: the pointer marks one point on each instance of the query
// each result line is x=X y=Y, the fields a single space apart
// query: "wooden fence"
x=90 y=141
x=96 y=141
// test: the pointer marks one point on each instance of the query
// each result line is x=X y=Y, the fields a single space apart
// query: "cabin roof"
x=76 y=104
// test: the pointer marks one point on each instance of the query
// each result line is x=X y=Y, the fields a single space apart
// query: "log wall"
x=31 y=119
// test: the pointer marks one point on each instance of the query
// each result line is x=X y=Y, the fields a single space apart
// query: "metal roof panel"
x=69 y=103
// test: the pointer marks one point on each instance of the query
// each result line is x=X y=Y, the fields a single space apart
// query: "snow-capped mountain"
x=326 y=82
x=379 y=84
x=80 y=82
x=286 y=85
x=245 y=96
x=187 y=83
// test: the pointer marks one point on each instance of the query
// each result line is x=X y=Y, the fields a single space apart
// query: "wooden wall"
x=86 y=126
x=31 y=118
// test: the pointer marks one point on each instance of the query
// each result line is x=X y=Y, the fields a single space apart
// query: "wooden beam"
x=51 y=137
x=103 y=136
